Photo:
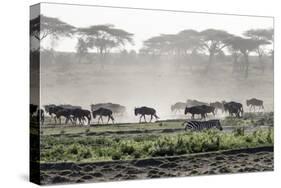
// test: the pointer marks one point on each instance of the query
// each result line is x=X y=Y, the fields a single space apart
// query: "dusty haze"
x=157 y=85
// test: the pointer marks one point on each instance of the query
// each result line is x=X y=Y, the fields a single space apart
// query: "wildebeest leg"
x=192 y=116
x=144 y=118
x=108 y=119
x=140 y=118
x=101 y=119
x=150 y=118
x=112 y=119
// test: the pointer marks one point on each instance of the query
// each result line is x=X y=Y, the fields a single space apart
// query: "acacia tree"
x=178 y=46
x=43 y=26
x=234 y=48
x=81 y=48
x=245 y=46
x=213 y=41
x=261 y=37
x=160 y=45
x=103 y=38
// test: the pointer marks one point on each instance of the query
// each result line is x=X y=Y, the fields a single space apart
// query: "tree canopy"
x=43 y=26
x=105 y=37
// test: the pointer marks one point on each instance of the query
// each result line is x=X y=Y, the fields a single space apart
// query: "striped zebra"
x=201 y=125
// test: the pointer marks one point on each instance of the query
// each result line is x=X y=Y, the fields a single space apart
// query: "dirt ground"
x=233 y=161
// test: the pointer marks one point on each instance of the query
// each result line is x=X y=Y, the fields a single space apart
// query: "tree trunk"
x=261 y=63
x=235 y=64
x=211 y=59
x=246 y=74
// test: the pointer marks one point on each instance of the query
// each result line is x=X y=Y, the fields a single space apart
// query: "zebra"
x=255 y=103
x=201 y=125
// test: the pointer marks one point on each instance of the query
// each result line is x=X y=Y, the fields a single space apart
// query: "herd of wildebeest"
x=77 y=115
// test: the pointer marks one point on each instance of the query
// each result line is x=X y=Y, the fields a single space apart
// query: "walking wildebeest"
x=32 y=109
x=81 y=115
x=115 y=108
x=208 y=109
x=234 y=108
x=103 y=112
x=195 y=110
x=255 y=103
x=218 y=106
x=40 y=115
x=67 y=113
x=177 y=107
x=146 y=111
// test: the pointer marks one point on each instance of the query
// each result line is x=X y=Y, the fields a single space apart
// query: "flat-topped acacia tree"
x=213 y=41
x=263 y=38
x=43 y=26
x=104 y=38
x=245 y=46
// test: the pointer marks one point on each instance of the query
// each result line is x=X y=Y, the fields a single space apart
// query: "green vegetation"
x=90 y=148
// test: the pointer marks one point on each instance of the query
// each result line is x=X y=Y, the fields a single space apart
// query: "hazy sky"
x=147 y=23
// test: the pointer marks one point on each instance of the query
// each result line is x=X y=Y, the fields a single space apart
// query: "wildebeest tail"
x=156 y=116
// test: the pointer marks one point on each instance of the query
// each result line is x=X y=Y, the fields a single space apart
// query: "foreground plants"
x=91 y=148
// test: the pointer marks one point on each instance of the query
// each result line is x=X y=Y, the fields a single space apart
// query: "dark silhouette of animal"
x=202 y=125
x=103 y=112
x=178 y=107
x=115 y=108
x=218 y=106
x=208 y=109
x=66 y=113
x=195 y=110
x=143 y=111
x=191 y=103
x=40 y=116
x=252 y=103
x=81 y=115
x=234 y=108
x=32 y=109
x=52 y=109
x=36 y=114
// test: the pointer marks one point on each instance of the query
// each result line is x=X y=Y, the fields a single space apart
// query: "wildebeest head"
x=94 y=114
x=172 y=107
x=136 y=111
x=186 y=110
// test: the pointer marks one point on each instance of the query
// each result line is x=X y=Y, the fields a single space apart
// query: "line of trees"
x=102 y=39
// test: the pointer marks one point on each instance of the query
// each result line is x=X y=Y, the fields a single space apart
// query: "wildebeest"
x=255 y=103
x=208 y=109
x=41 y=116
x=233 y=108
x=115 y=108
x=143 y=111
x=201 y=125
x=218 y=106
x=52 y=109
x=66 y=113
x=177 y=107
x=81 y=115
x=191 y=103
x=195 y=110
x=32 y=109
x=103 y=112
x=37 y=113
